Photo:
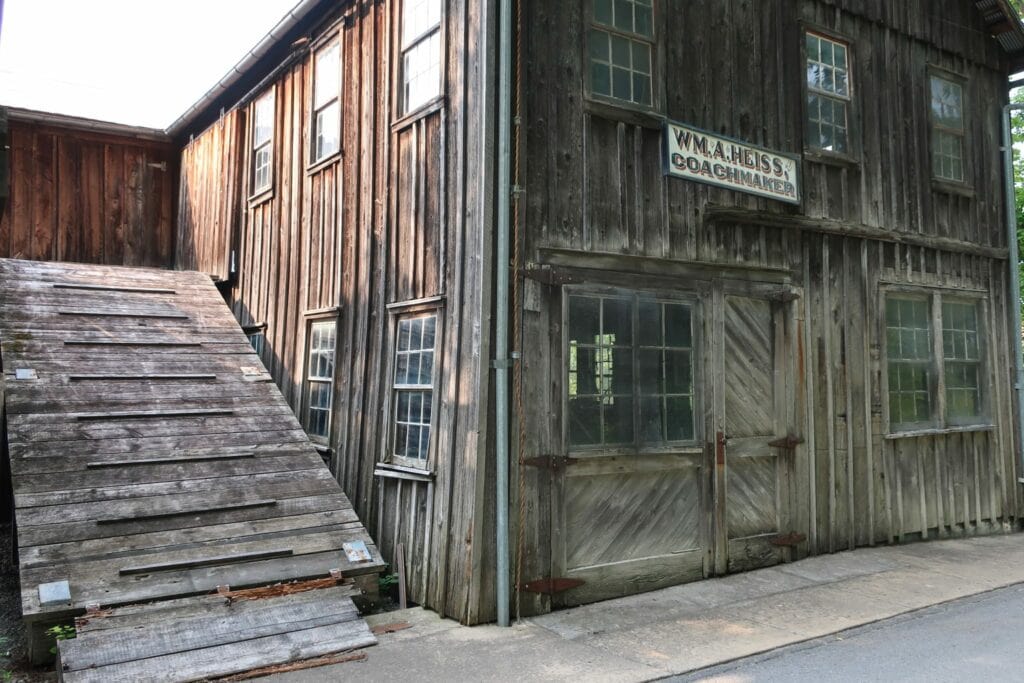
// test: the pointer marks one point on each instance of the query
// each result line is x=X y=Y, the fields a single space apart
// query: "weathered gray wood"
x=233 y=658
x=156 y=475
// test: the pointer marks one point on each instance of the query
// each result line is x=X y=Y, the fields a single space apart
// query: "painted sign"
x=695 y=154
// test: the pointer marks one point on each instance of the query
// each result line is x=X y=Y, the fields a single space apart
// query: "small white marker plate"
x=25 y=373
x=356 y=551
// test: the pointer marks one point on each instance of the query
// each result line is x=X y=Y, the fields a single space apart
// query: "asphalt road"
x=976 y=639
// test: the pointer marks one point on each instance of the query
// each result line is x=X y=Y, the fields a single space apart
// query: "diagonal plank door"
x=752 y=474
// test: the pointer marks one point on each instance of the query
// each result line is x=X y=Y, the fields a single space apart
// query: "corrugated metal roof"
x=1004 y=23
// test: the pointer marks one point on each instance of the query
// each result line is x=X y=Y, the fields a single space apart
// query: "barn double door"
x=631 y=523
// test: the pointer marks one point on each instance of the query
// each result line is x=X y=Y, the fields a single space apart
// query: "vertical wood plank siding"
x=735 y=67
x=209 y=197
x=394 y=218
x=88 y=197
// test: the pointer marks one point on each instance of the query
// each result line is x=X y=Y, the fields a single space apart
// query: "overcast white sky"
x=141 y=62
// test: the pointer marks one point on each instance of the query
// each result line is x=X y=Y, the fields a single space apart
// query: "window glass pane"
x=414 y=367
x=828 y=89
x=617 y=327
x=263 y=124
x=327 y=75
x=909 y=353
x=421 y=72
x=328 y=131
x=679 y=417
x=603 y=11
x=618 y=421
x=584 y=319
x=947 y=103
x=584 y=421
x=962 y=356
x=418 y=17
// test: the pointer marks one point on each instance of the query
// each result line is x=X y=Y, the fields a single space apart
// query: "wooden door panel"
x=752 y=505
x=753 y=476
x=617 y=518
x=630 y=524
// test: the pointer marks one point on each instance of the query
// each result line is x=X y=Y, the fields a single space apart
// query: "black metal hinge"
x=550 y=586
x=547 y=276
x=555 y=463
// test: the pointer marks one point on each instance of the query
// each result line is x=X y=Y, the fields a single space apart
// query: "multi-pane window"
x=262 y=142
x=914 y=376
x=421 y=53
x=414 y=388
x=947 y=129
x=326 y=102
x=829 y=91
x=320 y=378
x=909 y=350
x=962 y=360
x=621 y=46
x=630 y=371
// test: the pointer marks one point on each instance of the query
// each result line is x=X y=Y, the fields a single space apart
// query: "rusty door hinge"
x=547 y=276
x=720 y=440
x=788 y=442
x=551 y=586
x=555 y=463
x=789 y=540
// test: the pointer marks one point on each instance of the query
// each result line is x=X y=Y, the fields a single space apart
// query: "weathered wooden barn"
x=761 y=302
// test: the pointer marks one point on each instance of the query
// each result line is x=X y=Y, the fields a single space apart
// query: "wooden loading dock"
x=153 y=459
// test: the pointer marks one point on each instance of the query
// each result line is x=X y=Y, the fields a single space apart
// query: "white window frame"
x=940 y=420
x=323 y=106
x=833 y=95
x=422 y=39
x=260 y=146
x=398 y=389
x=310 y=379
x=610 y=31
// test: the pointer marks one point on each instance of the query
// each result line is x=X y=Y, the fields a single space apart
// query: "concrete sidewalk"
x=689 y=627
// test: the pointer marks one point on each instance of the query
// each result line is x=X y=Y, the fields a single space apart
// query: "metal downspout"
x=1014 y=262
x=502 y=362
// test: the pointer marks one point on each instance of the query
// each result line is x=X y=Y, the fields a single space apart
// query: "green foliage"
x=1017 y=128
x=386 y=581
x=61 y=632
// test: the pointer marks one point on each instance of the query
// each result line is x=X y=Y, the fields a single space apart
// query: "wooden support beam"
x=185 y=513
x=208 y=561
x=111 y=288
x=167 y=461
x=139 y=378
x=126 y=314
x=86 y=342
x=154 y=414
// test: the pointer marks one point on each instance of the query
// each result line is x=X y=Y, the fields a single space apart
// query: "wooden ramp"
x=151 y=456
x=215 y=637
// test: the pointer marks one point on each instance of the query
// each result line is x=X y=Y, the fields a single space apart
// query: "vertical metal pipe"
x=1014 y=264
x=501 y=364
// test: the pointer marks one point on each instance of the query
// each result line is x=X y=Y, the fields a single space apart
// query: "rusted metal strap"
x=788 y=442
x=555 y=463
x=789 y=540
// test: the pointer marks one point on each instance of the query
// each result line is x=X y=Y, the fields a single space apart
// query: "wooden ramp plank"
x=150 y=442
x=213 y=636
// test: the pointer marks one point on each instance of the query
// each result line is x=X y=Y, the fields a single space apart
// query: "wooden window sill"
x=389 y=471
x=626 y=112
x=261 y=197
x=819 y=156
x=421 y=112
x=952 y=187
x=320 y=165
